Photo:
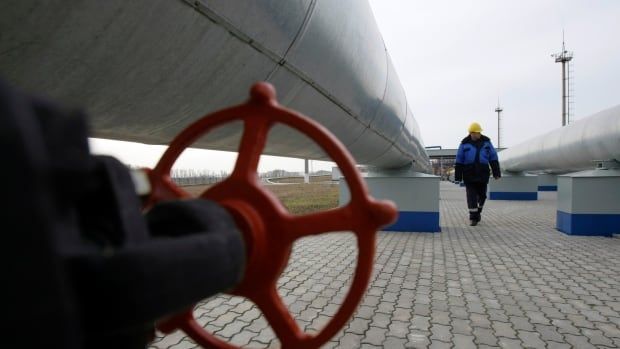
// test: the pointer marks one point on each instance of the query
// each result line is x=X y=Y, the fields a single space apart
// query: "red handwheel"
x=269 y=229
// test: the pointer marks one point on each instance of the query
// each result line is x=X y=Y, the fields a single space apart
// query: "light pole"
x=564 y=57
x=498 y=110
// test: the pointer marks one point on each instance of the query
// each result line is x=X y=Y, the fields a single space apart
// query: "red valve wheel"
x=269 y=229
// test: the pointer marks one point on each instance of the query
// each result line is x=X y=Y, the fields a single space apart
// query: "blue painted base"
x=547 y=188
x=511 y=195
x=416 y=222
x=588 y=224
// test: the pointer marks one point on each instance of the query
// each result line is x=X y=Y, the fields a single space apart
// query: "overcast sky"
x=456 y=58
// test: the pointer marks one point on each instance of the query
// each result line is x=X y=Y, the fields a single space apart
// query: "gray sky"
x=455 y=58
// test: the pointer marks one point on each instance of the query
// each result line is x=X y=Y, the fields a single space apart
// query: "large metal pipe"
x=146 y=69
x=570 y=148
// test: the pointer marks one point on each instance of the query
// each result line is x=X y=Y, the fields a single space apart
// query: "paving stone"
x=504 y=329
x=566 y=308
x=435 y=344
x=458 y=312
x=250 y=315
x=609 y=330
x=483 y=346
x=422 y=309
x=398 y=329
x=484 y=336
x=265 y=336
x=580 y=342
x=364 y=312
x=330 y=345
x=531 y=339
x=380 y=320
x=536 y=317
x=386 y=307
x=440 y=317
x=350 y=340
x=596 y=337
x=441 y=333
x=418 y=339
x=475 y=307
x=478 y=320
x=497 y=315
x=358 y=326
x=549 y=333
x=605 y=311
x=319 y=322
x=242 y=338
x=461 y=326
x=593 y=315
x=521 y=323
x=554 y=345
x=507 y=343
x=580 y=321
x=513 y=310
x=464 y=342
x=421 y=323
x=395 y=343
x=186 y=344
x=374 y=336
x=565 y=326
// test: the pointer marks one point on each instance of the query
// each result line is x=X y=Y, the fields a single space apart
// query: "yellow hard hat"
x=474 y=127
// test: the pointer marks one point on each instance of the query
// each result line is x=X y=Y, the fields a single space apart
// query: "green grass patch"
x=297 y=198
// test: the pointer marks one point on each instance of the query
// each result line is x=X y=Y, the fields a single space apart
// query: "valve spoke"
x=280 y=319
x=251 y=147
x=338 y=219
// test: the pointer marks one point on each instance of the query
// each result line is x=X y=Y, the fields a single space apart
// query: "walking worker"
x=473 y=158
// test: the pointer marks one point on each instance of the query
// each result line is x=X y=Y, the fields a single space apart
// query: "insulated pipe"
x=570 y=148
x=144 y=70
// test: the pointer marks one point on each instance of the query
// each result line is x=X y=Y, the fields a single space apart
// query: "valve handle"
x=269 y=230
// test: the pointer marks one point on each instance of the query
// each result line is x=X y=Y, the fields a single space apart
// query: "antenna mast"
x=498 y=110
x=564 y=57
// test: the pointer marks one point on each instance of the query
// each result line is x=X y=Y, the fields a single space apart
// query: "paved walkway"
x=513 y=281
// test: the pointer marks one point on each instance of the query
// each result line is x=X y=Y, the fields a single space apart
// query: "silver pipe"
x=570 y=148
x=146 y=69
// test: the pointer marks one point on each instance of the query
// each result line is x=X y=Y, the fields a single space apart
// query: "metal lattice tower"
x=564 y=57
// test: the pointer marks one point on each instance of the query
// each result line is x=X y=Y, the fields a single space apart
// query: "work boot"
x=473 y=222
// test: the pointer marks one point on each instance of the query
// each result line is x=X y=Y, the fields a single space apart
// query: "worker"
x=473 y=158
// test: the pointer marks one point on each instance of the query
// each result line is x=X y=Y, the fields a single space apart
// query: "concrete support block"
x=514 y=187
x=589 y=203
x=416 y=195
x=336 y=174
x=547 y=182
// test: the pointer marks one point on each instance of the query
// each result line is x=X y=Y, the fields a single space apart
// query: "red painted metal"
x=268 y=228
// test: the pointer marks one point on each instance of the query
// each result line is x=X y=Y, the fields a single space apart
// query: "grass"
x=300 y=180
x=297 y=198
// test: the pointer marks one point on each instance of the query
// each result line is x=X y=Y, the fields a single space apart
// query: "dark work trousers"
x=476 y=195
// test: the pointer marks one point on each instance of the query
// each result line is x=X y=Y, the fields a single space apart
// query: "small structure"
x=415 y=194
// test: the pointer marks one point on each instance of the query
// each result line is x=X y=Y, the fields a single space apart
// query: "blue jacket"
x=473 y=160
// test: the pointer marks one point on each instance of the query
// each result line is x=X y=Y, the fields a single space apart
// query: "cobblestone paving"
x=513 y=281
